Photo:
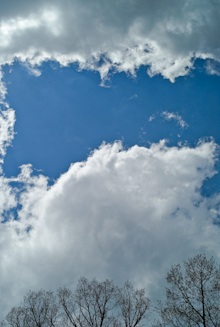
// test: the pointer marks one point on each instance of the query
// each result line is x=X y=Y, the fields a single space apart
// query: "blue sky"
x=109 y=141
x=74 y=114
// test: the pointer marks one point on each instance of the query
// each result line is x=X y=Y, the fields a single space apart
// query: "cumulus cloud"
x=121 y=214
x=118 y=35
x=173 y=116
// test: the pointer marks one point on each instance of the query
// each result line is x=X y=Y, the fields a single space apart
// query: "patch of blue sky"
x=64 y=114
x=11 y=214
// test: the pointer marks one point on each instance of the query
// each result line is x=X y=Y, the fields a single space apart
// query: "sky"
x=109 y=141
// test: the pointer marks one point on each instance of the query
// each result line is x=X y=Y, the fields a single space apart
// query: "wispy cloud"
x=151 y=118
x=176 y=117
x=213 y=67
x=33 y=70
x=133 y=97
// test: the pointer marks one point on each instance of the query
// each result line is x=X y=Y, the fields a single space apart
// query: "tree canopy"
x=193 y=296
x=91 y=304
x=192 y=300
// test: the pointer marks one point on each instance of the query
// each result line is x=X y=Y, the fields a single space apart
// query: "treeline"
x=192 y=299
x=92 y=303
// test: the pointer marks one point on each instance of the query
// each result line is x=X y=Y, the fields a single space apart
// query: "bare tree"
x=134 y=306
x=90 y=305
x=193 y=297
x=15 y=318
x=39 y=309
x=67 y=303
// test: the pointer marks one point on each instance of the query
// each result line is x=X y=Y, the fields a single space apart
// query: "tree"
x=134 y=306
x=38 y=309
x=193 y=297
x=90 y=305
x=101 y=304
x=15 y=318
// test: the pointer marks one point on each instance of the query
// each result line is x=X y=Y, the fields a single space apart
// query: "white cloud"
x=166 y=36
x=7 y=121
x=7 y=198
x=174 y=116
x=213 y=67
x=122 y=214
x=3 y=89
x=32 y=71
x=151 y=118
